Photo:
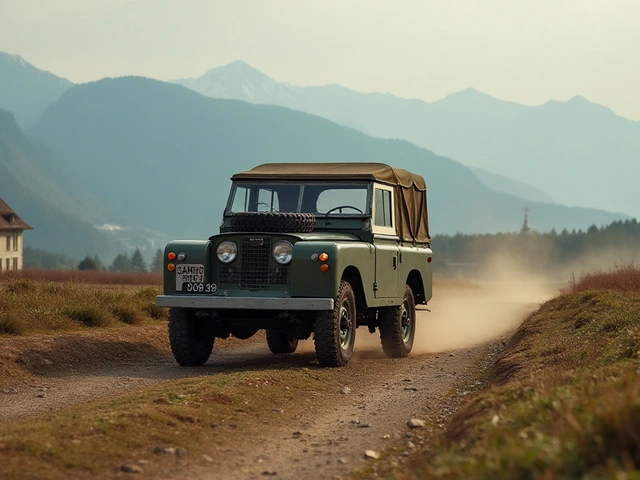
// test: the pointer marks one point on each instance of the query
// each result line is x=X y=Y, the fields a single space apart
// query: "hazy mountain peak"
x=24 y=65
x=15 y=58
x=468 y=96
x=578 y=99
x=237 y=68
x=238 y=80
x=26 y=90
x=469 y=92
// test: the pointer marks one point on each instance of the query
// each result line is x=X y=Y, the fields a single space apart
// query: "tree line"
x=616 y=243
x=124 y=263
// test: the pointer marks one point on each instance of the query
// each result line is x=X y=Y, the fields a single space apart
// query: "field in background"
x=94 y=277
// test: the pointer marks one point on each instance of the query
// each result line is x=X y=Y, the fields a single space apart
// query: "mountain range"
x=576 y=152
x=138 y=161
x=27 y=91
x=164 y=155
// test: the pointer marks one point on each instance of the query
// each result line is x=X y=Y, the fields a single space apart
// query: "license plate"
x=189 y=273
x=199 y=287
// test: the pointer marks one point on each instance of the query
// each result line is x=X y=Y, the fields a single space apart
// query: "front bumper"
x=249 y=303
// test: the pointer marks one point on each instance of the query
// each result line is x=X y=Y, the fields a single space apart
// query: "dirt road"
x=329 y=440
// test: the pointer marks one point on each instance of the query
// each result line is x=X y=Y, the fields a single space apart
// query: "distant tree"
x=156 y=264
x=122 y=263
x=37 y=258
x=99 y=262
x=137 y=262
x=89 y=264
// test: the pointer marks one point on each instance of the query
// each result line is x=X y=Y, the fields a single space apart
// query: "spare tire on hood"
x=282 y=222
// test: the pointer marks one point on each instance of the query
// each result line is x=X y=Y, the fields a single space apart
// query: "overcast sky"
x=527 y=51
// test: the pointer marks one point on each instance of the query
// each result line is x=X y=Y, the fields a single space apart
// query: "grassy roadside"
x=562 y=399
x=147 y=432
x=34 y=306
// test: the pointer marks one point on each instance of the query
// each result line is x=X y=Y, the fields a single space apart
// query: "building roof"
x=9 y=220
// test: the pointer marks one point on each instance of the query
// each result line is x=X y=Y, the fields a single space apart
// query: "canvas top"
x=380 y=172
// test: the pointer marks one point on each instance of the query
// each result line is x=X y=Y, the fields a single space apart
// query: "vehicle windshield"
x=317 y=198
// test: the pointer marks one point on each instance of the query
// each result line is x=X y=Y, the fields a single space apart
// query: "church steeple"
x=525 y=226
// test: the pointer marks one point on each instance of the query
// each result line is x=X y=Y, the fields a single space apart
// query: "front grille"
x=257 y=269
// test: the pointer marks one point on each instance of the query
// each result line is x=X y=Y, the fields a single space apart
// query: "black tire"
x=191 y=342
x=280 y=343
x=398 y=326
x=335 y=332
x=273 y=222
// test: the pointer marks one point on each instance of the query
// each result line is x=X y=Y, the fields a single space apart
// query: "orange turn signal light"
x=323 y=257
x=171 y=267
x=324 y=267
x=171 y=256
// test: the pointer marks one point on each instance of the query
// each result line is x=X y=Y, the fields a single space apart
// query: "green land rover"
x=305 y=250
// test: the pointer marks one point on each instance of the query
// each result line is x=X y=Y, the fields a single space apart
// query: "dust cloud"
x=491 y=301
x=466 y=313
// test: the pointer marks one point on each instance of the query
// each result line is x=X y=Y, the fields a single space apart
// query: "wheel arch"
x=414 y=280
x=352 y=275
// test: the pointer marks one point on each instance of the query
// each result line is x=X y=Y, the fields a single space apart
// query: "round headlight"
x=283 y=252
x=227 y=251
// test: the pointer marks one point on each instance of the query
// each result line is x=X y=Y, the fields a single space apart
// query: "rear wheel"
x=398 y=326
x=191 y=341
x=279 y=342
x=335 y=332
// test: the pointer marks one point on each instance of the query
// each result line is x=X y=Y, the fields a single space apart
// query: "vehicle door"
x=385 y=241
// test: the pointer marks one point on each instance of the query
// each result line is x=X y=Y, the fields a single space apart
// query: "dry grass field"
x=37 y=301
x=92 y=277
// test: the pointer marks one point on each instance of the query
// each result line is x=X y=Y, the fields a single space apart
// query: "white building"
x=11 y=245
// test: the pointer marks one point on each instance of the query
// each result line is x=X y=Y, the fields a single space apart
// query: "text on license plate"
x=189 y=273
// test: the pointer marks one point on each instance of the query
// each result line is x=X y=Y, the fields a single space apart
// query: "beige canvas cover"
x=411 y=190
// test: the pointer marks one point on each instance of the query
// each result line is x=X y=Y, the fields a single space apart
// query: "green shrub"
x=128 y=315
x=155 y=312
x=21 y=286
x=88 y=315
x=11 y=324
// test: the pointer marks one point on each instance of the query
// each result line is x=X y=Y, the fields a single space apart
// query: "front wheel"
x=279 y=342
x=398 y=326
x=190 y=339
x=335 y=332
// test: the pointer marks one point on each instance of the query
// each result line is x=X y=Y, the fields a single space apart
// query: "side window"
x=8 y=243
x=382 y=208
x=240 y=201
